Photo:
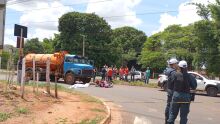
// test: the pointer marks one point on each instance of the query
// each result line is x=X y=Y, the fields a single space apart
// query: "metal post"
x=22 y=78
x=56 y=96
x=37 y=81
x=20 y=58
x=34 y=74
x=20 y=48
x=48 y=75
x=83 y=45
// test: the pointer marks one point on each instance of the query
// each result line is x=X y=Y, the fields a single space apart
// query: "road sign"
x=20 y=30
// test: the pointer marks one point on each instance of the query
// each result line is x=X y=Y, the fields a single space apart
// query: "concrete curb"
x=107 y=119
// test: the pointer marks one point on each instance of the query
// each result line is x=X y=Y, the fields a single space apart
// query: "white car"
x=212 y=87
x=138 y=76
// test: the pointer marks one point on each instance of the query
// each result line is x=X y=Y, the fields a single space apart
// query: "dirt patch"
x=69 y=108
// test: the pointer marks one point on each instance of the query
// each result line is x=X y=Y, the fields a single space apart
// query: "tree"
x=152 y=54
x=48 y=45
x=208 y=36
x=33 y=46
x=130 y=42
x=207 y=50
x=75 y=27
x=4 y=59
x=179 y=42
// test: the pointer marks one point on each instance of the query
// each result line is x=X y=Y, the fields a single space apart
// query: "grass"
x=22 y=110
x=97 y=110
x=96 y=120
x=136 y=83
x=62 y=120
x=4 y=116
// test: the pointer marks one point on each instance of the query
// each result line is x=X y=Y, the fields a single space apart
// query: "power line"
x=100 y=1
x=119 y=16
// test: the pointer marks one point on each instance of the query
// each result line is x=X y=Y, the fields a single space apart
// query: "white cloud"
x=9 y=39
x=186 y=15
x=114 y=10
x=40 y=16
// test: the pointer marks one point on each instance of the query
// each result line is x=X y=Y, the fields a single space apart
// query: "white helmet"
x=172 y=61
x=182 y=64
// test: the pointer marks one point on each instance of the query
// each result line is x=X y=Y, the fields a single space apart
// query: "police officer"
x=183 y=82
x=169 y=72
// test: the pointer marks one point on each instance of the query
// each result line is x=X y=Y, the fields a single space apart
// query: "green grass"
x=97 y=110
x=4 y=116
x=96 y=120
x=62 y=121
x=136 y=83
x=22 y=110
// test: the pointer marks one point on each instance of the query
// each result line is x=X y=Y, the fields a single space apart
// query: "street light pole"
x=83 y=44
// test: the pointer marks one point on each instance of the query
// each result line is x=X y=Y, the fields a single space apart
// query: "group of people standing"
x=179 y=91
x=109 y=73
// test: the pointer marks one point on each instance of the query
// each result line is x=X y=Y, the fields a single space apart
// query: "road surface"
x=141 y=105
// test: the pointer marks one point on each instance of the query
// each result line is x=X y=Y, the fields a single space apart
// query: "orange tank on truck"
x=56 y=61
x=71 y=68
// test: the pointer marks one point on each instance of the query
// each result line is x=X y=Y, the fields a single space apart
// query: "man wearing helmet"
x=182 y=84
x=169 y=72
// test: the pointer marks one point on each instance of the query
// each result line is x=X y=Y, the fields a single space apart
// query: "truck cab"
x=77 y=68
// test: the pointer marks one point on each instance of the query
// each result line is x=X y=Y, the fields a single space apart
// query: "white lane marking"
x=141 y=120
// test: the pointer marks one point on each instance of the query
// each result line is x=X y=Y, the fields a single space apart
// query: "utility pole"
x=83 y=45
x=2 y=25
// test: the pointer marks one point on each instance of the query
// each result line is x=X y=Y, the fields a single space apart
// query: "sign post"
x=21 y=32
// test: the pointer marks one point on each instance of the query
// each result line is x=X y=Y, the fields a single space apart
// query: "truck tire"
x=86 y=80
x=212 y=91
x=29 y=74
x=52 y=78
x=69 y=78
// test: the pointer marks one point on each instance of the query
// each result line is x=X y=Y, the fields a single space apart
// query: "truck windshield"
x=77 y=60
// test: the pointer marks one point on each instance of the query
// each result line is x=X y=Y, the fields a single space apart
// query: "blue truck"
x=71 y=68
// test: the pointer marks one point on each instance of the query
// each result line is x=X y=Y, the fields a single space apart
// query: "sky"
x=150 y=16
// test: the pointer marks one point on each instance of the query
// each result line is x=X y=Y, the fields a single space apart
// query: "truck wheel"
x=29 y=74
x=52 y=78
x=212 y=91
x=69 y=78
x=165 y=86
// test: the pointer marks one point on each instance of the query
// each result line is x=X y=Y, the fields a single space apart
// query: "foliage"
x=48 y=45
x=152 y=54
x=75 y=27
x=130 y=42
x=93 y=121
x=136 y=83
x=4 y=116
x=4 y=59
x=208 y=36
x=22 y=110
x=33 y=46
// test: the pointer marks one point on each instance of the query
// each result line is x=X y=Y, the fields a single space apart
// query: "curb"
x=107 y=119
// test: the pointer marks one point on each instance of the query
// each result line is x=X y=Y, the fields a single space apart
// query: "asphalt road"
x=139 y=105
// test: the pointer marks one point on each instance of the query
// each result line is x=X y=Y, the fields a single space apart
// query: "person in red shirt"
x=126 y=71
x=110 y=72
x=121 y=73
